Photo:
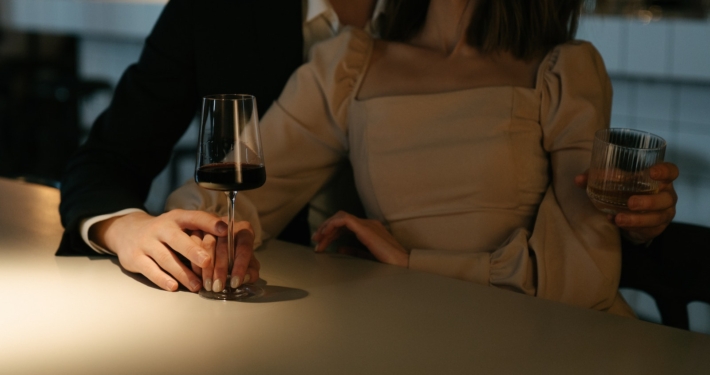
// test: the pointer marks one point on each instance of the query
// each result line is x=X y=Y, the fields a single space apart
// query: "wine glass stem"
x=232 y=195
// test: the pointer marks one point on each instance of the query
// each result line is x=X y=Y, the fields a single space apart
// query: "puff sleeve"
x=578 y=252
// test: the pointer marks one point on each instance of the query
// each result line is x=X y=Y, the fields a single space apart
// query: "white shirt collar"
x=316 y=8
x=379 y=9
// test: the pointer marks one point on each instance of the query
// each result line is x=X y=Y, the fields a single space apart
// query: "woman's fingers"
x=251 y=275
x=666 y=198
x=245 y=265
x=371 y=233
x=655 y=202
x=221 y=264
x=196 y=237
x=252 y=272
x=332 y=229
x=329 y=232
x=650 y=219
x=209 y=243
x=581 y=179
x=650 y=215
x=244 y=244
x=665 y=172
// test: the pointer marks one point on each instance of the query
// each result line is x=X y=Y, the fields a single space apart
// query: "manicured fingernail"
x=172 y=285
x=316 y=247
x=208 y=284
x=247 y=278
x=222 y=227
x=217 y=286
x=234 y=282
x=195 y=285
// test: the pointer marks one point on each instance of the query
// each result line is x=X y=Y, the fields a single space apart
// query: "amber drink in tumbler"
x=621 y=160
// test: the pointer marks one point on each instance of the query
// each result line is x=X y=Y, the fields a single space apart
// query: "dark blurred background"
x=39 y=91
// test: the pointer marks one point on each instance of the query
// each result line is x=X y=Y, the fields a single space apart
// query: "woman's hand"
x=371 y=233
x=246 y=266
x=649 y=214
x=148 y=245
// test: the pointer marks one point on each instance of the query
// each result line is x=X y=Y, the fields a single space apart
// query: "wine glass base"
x=242 y=293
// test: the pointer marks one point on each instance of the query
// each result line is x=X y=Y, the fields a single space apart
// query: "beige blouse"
x=478 y=183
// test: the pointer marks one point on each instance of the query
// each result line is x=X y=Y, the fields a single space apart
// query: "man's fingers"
x=149 y=269
x=665 y=172
x=200 y=220
x=168 y=261
x=196 y=270
x=183 y=244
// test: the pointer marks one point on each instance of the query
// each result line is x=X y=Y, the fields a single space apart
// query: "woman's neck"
x=445 y=26
x=353 y=12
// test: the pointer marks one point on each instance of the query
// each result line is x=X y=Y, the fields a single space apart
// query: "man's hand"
x=148 y=245
x=648 y=215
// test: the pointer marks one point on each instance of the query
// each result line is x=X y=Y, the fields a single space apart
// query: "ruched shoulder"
x=337 y=65
x=575 y=89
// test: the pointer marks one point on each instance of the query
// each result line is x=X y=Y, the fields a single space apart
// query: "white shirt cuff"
x=87 y=223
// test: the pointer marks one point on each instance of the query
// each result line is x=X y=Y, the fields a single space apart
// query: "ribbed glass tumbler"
x=621 y=160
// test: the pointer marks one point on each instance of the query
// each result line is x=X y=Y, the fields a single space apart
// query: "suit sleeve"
x=132 y=141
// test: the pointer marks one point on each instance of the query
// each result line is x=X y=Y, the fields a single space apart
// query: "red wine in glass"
x=231 y=176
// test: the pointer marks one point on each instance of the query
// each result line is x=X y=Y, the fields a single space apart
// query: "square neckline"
x=368 y=61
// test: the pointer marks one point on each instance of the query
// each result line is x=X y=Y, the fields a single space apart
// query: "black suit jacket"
x=197 y=47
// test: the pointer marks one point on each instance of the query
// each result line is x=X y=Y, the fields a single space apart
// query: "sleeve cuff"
x=87 y=223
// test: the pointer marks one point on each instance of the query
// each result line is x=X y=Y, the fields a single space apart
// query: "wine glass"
x=621 y=160
x=229 y=159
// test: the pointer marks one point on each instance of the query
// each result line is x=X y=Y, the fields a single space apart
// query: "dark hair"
x=526 y=28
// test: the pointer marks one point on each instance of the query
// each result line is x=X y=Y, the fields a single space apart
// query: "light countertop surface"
x=323 y=314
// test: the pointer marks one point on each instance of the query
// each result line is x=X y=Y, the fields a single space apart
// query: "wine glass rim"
x=229 y=97
x=598 y=136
